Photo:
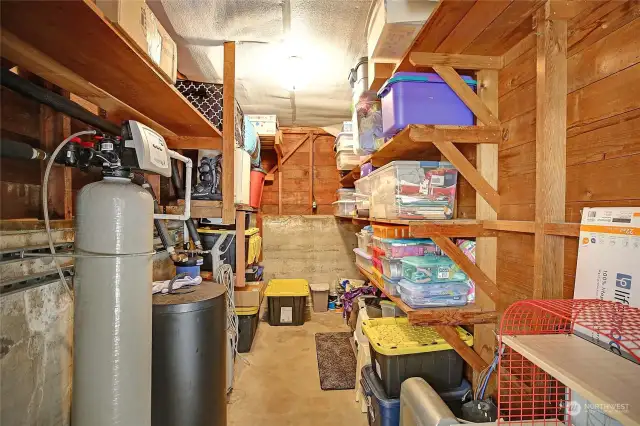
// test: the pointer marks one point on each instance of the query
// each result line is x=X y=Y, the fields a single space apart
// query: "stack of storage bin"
x=346 y=203
x=413 y=190
x=346 y=157
x=363 y=196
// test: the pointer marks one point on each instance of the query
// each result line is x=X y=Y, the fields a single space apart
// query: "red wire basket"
x=527 y=394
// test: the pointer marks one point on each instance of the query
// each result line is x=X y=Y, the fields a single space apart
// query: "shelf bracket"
x=485 y=283
x=468 y=96
x=479 y=183
x=450 y=334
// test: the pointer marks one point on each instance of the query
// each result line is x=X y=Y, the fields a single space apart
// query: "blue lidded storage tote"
x=381 y=410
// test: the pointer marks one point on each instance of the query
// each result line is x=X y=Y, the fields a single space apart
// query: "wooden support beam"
x=279 y=192
x=450 y=334
x=486 y=248
x=458 y=61
x=199 y=208
x=26 y=56
x=379 y=73
x=523 y=226
x=289 y=154
x=457 y=134
x=468 y=96
x=466 y=315
x=193 y=142
x=241 y=258
x=449 y=228
x=486 y=284
x=311 y=148
x=470 y=173
x=228 y=133
x=562 y=229
x=551 y=142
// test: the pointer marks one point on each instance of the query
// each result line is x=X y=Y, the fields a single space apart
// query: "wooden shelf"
x=199 y=208
x=246 y=208
x=599 y=376
x=428 y=228
x=77 y=36
x=470 y=314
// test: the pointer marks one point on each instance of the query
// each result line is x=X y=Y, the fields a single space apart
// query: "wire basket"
x=527 y=394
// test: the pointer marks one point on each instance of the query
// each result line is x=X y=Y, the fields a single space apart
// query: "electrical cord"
x=45 y=203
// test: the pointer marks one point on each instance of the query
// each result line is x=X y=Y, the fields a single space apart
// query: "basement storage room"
x=330 y=212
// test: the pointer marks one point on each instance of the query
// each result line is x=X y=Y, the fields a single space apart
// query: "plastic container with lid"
x=345 y=142
x=344 y=208
x=392 y=268
x=363 y=202
x=320 y=296
x=391 y=286
x=413 y=190
x=430 y=269
x=346 y=159
x=286 y=301
x=377 y=264
x=247 y=326
x=363 y=185
x=364 y=241
x=363 y=260
x=422 y=98
x=346 y=194
x=366 y=169
x=404 y=247
x=400 y=350
x=381 y=409
x=432 y=295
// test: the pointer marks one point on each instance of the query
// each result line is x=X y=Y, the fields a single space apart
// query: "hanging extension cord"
x=45 y=204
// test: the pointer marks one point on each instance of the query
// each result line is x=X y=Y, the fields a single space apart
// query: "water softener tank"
x=112 y=312
x=189 y=357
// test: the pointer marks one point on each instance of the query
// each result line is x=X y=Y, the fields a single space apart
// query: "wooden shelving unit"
x=470 y=314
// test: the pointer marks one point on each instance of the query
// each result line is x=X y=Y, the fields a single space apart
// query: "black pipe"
x=55 y=101
x=177 y=185
x=21 y=150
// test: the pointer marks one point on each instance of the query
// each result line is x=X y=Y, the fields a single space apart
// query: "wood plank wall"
x=603 y=134
x=295 y=176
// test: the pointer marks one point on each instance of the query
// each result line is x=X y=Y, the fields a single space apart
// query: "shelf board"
x=598 y=375
x=246 y=208
x=470 y=314
x=199 y=208
x=428 y=228
x=78 y=36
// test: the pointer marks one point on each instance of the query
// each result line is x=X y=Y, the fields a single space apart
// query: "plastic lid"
x=395 y=336
x=362 y=253
x=203 y=296
x=353 y=190
x=388 y=303
x=427 y=261
x=289 y=287
x=422 y=164
x=418 y=77
x=251 y=231
x=435 y=289
x=247 y=311
x=344 y=201
x=319 y=287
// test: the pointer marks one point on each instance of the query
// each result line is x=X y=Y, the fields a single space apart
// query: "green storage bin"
x=431 y=268
x=286 y=301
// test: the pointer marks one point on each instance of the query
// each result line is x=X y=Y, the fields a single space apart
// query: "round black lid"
x=203 y=296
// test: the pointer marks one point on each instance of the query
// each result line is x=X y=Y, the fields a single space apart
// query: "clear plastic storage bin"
x=364 y=241
x=363 y=203
x=413 y=190
x=345 y=142
x=390 y=309
x=363 y=185
x=435 y=294
x=344 y=208
x=398 y=247
x=431 y=269
x=346 y=159
x=363 y=260
x=391 y=286
x=348 y=194
x=392 y=268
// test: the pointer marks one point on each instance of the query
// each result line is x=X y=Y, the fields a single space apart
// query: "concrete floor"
x=280 y=384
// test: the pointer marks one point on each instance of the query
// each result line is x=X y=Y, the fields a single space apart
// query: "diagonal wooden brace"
x=485 y=283
x=468 y=96
x=450 y=334
x=470 y=173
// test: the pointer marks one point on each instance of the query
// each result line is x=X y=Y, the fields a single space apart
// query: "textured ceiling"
x=328 y=36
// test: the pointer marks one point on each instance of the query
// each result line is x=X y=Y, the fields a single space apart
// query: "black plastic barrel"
x=189 y=358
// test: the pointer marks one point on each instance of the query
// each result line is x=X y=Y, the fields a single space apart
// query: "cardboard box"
x=264 y=124
x=138 y=23
x=250 y=295
x=608 y=260
x=393 y=26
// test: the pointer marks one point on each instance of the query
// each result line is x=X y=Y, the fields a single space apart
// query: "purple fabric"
x=348 y=298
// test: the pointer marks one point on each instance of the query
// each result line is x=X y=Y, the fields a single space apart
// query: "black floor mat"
x=336 y=361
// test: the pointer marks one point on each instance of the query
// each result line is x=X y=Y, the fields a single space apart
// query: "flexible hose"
x=45 y=202
x=20 y=150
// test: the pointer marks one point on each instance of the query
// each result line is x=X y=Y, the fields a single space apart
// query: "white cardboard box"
x=393 y=26
x=264 y=124
x=608 y=259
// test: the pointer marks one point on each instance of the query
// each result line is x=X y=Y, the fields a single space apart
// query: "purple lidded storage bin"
x=421 y=98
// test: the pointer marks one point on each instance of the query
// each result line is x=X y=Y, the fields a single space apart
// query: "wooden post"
x=241 y=258
x=68 y=176
x=551 y=161
x=311 y=148
x=228 y=133
x=486 y=247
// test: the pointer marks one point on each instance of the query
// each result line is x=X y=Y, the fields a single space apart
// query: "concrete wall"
x=36 y=339
x=316 y=248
